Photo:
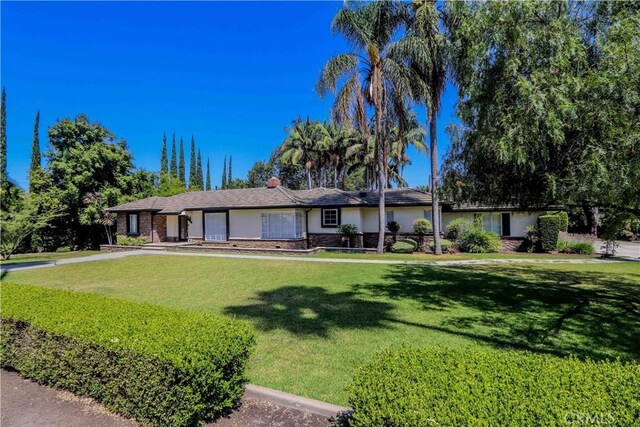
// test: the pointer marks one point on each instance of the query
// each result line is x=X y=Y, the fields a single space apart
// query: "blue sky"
x=232 y=74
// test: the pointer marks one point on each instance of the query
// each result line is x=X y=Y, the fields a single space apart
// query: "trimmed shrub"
x=548 y=229
x=410 y=386
x=393 y=227
x=158 y=365
x=131 y=241
x=403 y=247
x=422 y=226
x=456 y=228
x=347 y=231
x=563 y=221
x=445 y=244
x=477 y=240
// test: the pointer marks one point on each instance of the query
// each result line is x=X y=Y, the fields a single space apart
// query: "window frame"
x=129 y=233
x=323 y=224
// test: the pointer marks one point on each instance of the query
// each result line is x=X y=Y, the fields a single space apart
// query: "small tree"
x=95 y=214
x=394 y=228
x=422 y=227
x=18 y=225
x=347 y=231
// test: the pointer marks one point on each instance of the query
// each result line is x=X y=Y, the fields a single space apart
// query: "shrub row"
x=157 y=365
x=445 y=244
x=131 y=240
x=570 y=246
x=404 y=246
x=421 y=387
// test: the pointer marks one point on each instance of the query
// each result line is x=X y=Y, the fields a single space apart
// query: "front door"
x=183 y=233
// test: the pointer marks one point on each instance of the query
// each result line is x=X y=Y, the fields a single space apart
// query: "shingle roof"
x=278 y=197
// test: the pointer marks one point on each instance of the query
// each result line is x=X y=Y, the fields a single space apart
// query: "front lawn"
x=316 y=322
x=45 y=257
x=448 y=257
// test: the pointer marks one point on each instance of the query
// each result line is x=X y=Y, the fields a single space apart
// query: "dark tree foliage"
x=174 y=159
x=548 y=104
x=208 y=183
x=85 y=158
x=193 y=168
x=223 y=184
x=230 y=177
x=199 y=175
x=3 y=143
x=164 y=164
x=181 y=165
x=36 y=161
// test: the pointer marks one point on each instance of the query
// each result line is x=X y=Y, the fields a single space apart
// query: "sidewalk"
x=118 y=255
x=25 y=403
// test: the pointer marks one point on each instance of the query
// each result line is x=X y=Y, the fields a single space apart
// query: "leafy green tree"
x=86 y=158
x=193 y=168
x=223 y=183
x=18 y=225
x=374 y=74
x=237 y=183
x=174 y=159
x=259 y=174
x=36 y=161
x=208 y=184
x=181 y=165
x=548 y=104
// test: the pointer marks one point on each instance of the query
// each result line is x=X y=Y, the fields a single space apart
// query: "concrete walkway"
x=25 y=403
x=119 y=255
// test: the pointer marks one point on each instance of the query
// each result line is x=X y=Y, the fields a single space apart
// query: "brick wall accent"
x=159 y=228
x=513 y=244
x=333 y=240
x=370 y=240
x=257 y=244
x=144 y=218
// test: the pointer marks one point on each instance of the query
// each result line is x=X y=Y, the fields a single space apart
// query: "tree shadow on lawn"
x=550 y=311
x=311 y=310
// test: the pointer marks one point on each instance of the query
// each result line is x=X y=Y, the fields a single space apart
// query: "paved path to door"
x=118 y=255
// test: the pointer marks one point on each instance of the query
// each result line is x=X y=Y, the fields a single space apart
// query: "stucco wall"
x=519 y=220
x=402 y=215
x=195 y=226
x=347 y=216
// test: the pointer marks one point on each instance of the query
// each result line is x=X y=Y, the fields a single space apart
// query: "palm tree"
x=407 y=133
x=302 y=144
x=429 y=62
x=372 y=76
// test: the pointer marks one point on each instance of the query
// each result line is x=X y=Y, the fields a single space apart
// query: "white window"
x=492 y=222
x=132 y=224
x=215 y=226
x=330 y=217
x=285 y=225
x=389 y=216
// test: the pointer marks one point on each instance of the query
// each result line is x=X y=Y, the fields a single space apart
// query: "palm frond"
x=334 y=69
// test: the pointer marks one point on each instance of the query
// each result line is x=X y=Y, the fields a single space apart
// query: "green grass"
x=447 y=257
x=316 y=322
x=46 y=256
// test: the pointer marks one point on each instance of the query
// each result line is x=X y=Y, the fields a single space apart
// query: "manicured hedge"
x=422 y=387
x=548 y=228
x=157 y=365
x=445 y=245
x=403 y=247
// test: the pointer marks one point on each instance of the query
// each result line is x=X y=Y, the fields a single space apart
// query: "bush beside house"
x=459 y=388
x=548 y=230
x=158 y=365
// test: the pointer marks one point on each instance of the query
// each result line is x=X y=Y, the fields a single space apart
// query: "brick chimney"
x=273 y=182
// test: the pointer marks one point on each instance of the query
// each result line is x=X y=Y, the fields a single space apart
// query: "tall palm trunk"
x=309 y=186
x=380 y=157
x=435 y=216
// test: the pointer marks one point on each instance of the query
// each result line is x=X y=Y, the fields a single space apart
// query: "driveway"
x=626 y=249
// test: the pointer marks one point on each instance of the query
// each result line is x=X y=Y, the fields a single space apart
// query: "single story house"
x=278 y=218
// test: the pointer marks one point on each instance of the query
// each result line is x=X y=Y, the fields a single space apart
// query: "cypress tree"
x=193 y=173
x=199 y=172
x=230 y=179
x=174 y=158
x=164 y=164
x=3 y=140
x=35 y=151
x=181 y=172
x=208 y=185
x=223 y=185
